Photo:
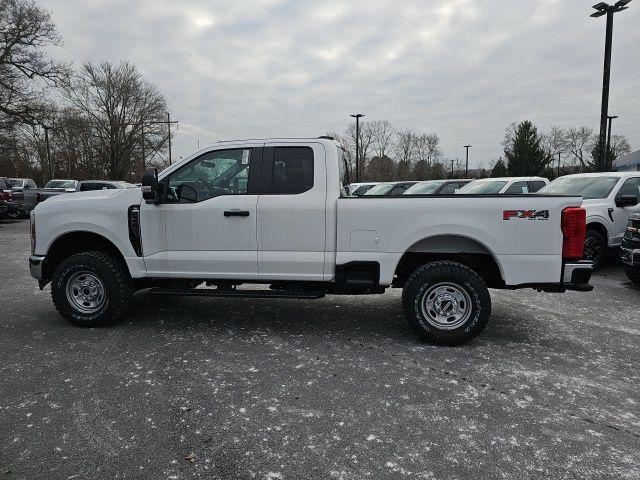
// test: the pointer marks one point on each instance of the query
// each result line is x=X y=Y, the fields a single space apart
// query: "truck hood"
x=87 y=201
x=596 y=204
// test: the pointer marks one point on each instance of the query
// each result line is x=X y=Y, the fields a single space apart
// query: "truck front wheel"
x=91 y=289
x=446 y=303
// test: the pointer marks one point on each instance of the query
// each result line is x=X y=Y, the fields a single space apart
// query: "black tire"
x=436 y=277
x=86 y=267
x=595 y=248
x=633 y=273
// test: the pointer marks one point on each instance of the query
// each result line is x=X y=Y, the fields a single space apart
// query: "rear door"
x=291 y=212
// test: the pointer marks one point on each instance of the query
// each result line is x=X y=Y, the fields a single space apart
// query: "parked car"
x=504 y=186
x=630 y=249
x=13 y=196
x=357 y=189
x=389 y=188
x=609 y=199
x=58 y=187
x=3 y=206
x=436 y=187
x=289 y=226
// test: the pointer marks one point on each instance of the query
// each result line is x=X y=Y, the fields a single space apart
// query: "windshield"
x=588 y=187
x=381 y=189
x=13 y=182
x=483 y=188
x=423 y=188
x=61 y=184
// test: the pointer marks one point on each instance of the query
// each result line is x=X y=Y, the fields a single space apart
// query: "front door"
x=207 y=219
x=631 y=186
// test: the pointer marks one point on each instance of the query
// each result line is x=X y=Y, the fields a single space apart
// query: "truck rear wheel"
x=595 y=247
x=91 y=289
x=446 y=303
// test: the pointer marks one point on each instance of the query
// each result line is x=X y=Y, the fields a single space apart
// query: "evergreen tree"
x=524 y=151
x=499 y=169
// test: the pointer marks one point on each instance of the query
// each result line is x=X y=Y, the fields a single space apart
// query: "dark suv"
x=630 y=250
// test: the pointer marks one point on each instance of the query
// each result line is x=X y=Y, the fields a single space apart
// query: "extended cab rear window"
x=292 y=170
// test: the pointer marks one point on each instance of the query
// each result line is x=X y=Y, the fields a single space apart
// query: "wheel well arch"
x=458 y=248
x=74 y=242
x=600 y=228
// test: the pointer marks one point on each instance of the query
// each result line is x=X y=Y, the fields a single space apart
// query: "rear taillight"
x=6 y=196
x=574 y=229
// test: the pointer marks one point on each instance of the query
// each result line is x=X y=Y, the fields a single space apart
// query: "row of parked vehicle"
x=20 y=195
x=609 y=199
x=485 y=186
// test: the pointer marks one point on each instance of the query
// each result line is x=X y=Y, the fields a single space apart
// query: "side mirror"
x=150 y=189
x=626 y=201
x=186 y=193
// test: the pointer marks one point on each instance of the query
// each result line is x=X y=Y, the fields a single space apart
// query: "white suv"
x=609 y=199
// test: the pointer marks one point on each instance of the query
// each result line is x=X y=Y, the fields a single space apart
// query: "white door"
x=631 y=186
x=291 y=212
x=207 y=219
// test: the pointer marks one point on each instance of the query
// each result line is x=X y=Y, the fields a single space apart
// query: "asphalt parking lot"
x=333 y=388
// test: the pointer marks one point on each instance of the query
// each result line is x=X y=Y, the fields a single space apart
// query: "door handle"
x=236 y=213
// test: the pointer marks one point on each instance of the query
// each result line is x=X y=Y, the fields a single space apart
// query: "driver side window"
x=221 y=172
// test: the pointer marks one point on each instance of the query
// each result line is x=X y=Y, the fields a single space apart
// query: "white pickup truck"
x=609 y=199
x=275 y=212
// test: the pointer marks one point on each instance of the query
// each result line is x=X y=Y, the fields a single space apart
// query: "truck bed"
x=527 y=250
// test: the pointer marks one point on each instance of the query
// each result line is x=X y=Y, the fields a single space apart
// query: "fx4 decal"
x=526 y=214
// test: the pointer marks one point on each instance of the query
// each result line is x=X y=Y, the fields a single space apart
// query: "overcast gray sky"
x=464 y=69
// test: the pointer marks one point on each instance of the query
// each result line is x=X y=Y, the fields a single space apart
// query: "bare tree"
x=25 y=33
x=554 y=141
x=405 y=149
x=619 y=146
x=121 y=108
x=382 y=137
x=578 y=143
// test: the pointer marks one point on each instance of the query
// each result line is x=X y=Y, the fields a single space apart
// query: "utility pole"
x=610 y=118
x=168 y=122
x=466 y=167
x=452 y=168
x=558 y=164
x=46 y=141
x=357 y=116
x=603 y=8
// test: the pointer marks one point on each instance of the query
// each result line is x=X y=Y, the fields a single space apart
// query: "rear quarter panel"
x=526 y=250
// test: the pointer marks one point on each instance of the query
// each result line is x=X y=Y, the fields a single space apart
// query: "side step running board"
x=214 y=292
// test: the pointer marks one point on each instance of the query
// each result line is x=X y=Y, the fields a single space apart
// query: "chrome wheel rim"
x=446 y=306
x=85 y=292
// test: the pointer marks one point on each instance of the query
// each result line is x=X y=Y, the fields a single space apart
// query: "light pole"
x=357 y=116
x=610 y=118
x=603 y=8
x=559 y=164
x=466 y=165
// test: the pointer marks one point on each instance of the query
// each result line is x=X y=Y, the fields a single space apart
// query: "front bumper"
x=630 y=256
x=36 y=266
x=576 y=275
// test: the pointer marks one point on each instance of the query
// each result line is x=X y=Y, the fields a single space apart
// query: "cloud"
x=464 y=69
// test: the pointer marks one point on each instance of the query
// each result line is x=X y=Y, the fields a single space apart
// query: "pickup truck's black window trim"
x=268 y=161
x=253 y=180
